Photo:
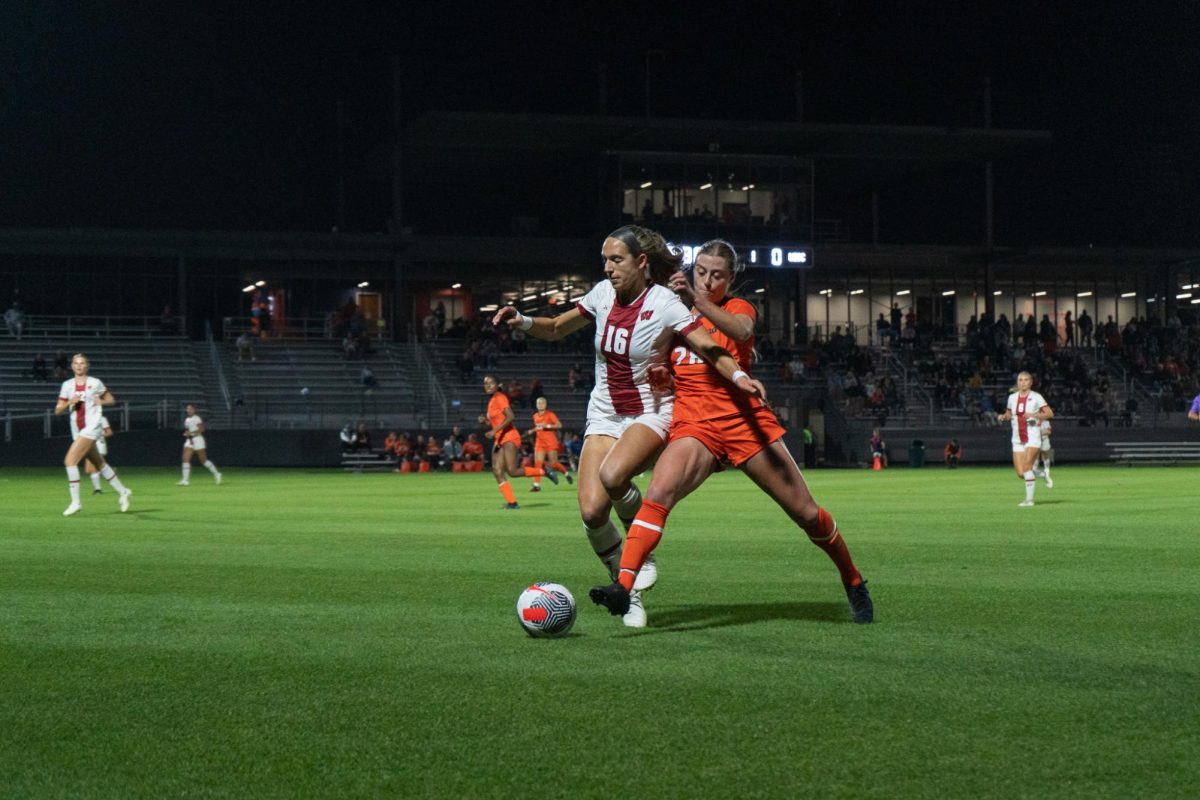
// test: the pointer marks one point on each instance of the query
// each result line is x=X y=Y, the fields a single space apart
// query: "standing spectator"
x=1085 y=329
x=897 y=318
x=952 y=453
x=368 y=380
x=1194 y=411
x=14 y=318
x=62 y=366
x=1068 y=330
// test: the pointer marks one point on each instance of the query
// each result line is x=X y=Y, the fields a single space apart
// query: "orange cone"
x=878 y=464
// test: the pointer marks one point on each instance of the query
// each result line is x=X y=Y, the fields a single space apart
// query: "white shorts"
x=196 y=443
x=1035 y=440
x=1046 y=446
x=614 y=424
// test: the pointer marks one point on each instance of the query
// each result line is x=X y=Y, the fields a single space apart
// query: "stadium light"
x=706 y=186
x=1197 y=300
x=1183 y=296
x=647 y=184
x=529 y=297
x=759 y=291
x=249 y=288
x=364 y=285
x=1039 y=294
x=903 y=292
x=747 y=187
x=826 y=292
x=857 y=291
x=489 y=307
x=1129 y=294
x=947 y=293
x=997 y=293
x=456 y=286
x=1083 y=294
x=260 y=283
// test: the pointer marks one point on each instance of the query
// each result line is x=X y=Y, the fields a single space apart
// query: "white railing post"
x=8 y=427
x=46 y=425
x=125 y=417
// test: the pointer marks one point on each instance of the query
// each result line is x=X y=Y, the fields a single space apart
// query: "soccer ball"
x=546 y=610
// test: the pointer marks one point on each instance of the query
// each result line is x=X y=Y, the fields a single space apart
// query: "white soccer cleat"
x=217 y=477
x=183 y=483
x=1025 y=504
x=1049 y=482
x=636 y=616
x=74 y=508
x=647 y=576
x=123 y=501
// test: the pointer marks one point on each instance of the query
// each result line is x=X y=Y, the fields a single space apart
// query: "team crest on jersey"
x=647 y=314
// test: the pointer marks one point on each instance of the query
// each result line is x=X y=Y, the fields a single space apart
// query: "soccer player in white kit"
x=84 y=398
x=1027 y=409
x=193 y=442
x=1046 y=455
x=637 y=320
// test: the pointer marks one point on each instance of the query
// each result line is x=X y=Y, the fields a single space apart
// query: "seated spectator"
x=433 y=453
x=389 y=444
x=362 y=437
x=40 y=370
x=402 y=450
x=62 y=366
x=367 y=378
x=14 y=318
x=452 y=448
x=347 y=437
x=516 y=393
x=473 y=448
x=952 y=453
x=245 y=346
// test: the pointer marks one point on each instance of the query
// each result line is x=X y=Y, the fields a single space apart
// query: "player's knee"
x=614 y=480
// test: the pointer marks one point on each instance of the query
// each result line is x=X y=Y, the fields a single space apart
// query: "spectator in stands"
x=535 y=391
x=897 y=319
x=434 y=455
x=14 y=318
x=346 y=435
x=1193 y=412
x=473 y=448
x=573 y=376
x=883 y=330
x=795 y=368
x=62 y=366
x=452 y=448
x=952 y=453
x=1068 y=330
x=516 y=393
x=389 y=443
x=402 y=450
x=167 y=323
x=573 y=445
x=368 y=380
x=245 y=346
x=40 y=370
x=439 y=314
x=1085 y=329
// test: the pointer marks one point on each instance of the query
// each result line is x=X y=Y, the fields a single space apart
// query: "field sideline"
x=318 y=634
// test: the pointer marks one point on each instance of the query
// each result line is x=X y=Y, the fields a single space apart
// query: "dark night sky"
x=224 y=116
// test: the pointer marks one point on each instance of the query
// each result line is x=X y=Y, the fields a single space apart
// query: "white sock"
x=606 y=542
x=187 y=470
x=95 y=476
x=211 y=467
x=110 y=475
x=1046 y=472
x=73 y=483
x=629 y=505
x=1030 y=482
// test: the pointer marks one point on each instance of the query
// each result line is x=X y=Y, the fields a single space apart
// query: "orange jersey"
x=546 y=439
x=701 y=393
x=495 y=413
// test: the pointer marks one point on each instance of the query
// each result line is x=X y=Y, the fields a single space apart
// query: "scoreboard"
x=770 y=256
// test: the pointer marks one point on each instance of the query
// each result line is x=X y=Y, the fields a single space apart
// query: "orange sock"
x=643 y=538
x=825 y=535
x=534 y=472
x=559 y=467
x=506 y=490
x=537 y=482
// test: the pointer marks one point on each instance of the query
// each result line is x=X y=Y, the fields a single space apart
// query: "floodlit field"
x=302 y=634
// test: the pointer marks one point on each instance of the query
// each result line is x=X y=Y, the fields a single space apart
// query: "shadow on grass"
x=699 y=617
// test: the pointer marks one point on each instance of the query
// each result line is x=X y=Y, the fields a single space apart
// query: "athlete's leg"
x=594 y=504
x=186 y=466
x=504 y=460
x=75 y=453
x=632 y=453
x=202 y=454
x=1027 y=459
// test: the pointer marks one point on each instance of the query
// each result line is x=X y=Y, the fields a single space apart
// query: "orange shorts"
x=732 y=439
x=508 y=437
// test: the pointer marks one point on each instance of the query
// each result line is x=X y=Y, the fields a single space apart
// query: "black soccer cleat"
x=861 y=607
x=570 y=480
x=552 y=476
x=511 y=506
x=97 y=491
x=613 y=597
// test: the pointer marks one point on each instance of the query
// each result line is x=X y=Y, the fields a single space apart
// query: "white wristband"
x=524 y=322
x=739 y=373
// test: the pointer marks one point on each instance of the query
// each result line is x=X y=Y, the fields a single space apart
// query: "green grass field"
x=316 y=634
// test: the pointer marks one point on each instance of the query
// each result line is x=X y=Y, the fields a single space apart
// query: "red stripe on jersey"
x=615 y=340
x=80 y=409
x=1022 y=425
x=587 y=314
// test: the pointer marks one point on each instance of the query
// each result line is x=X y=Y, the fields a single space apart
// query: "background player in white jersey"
x=193 y=442
x=1045 y=455
x=637 y=319
x=84 y=397
x=1027 y=409
x=102 y=448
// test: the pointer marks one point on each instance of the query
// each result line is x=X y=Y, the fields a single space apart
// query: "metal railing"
x=129 y=416
x=217 y=366
x=437 y=397
x=50 y=326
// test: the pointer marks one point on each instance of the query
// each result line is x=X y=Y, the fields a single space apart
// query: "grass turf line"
x=301 y=633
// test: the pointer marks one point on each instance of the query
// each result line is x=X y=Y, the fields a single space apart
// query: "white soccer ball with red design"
x=546 y=610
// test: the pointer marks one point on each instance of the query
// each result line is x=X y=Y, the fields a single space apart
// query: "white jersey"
x=1024 y=432
x=85 y=420
x=192 y=424
x=625 y=339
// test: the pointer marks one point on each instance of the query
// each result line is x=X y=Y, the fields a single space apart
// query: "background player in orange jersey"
x=506 y=443
x=545 y=442
x=715 y=424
